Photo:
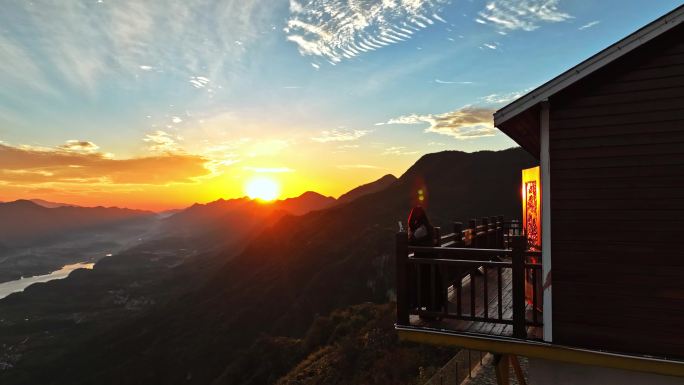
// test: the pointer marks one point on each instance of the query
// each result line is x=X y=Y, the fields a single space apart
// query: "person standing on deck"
x=422 y=233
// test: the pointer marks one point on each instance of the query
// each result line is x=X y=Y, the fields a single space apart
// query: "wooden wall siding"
x=617 y=180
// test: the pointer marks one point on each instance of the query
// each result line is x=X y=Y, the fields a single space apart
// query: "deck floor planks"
x=489 y=328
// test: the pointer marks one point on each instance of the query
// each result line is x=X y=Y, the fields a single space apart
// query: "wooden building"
x=609 y=291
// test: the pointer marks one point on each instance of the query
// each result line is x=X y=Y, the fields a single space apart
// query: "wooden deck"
x=488 y=328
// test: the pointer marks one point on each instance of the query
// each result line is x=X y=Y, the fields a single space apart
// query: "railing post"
x=472 y=225
x=519 y=244
x=438 y=236
x=401 y=255
x=491 y=233
x=458 y=234
x=500 y=232
x=481 y=239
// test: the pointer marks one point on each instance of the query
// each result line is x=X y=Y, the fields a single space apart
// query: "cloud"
x=342 y=29
x=499 y=99
x=83 y=43
x=589 y=25
x=358 y=166
x=163 y=142
x=19 y=70
x=81 y=146
x=465 y=123
x=523 y=15
x=398 y=150
x=199 y=81
x=340 y=135
x=70 y=164
x=270 y=147
x=490 y=45
x=450 y=82
x=268 y=169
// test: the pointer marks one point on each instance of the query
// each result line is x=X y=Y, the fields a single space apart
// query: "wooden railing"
x=491 y=232
x=478 y=256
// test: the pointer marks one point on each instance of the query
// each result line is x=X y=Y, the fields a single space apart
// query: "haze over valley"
x=208 y=255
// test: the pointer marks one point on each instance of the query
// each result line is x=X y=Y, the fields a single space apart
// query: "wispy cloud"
x=503 y=98
x=358 y=166
x=398 y=150
x=524 y=15
x=465 y=123
x=163 y=142
x=199 y=81
x=439 y=81
x=19 y=70
x=82 y=43
x=340 y=135
x=589 y=25
x=268 y=170
x=342 y=29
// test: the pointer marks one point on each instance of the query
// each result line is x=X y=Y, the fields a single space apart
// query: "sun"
x=263 y=189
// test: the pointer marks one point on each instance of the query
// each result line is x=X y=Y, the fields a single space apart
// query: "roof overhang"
x=584 y=69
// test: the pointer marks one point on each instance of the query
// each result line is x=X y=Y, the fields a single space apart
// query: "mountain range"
x=270 y=290
x=24 y=222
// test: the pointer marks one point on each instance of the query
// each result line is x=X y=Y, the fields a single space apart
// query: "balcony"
x=479 y=281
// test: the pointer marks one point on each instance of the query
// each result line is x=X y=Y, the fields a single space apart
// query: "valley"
x=205 y=301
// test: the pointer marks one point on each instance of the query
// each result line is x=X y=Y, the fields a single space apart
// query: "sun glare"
x=263 y=189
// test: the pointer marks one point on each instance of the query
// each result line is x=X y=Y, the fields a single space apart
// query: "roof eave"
x=589 y=66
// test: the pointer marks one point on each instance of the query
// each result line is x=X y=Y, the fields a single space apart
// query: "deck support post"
x=518 y=370
x=501 y=362
x=518 y=282
x=401 y=255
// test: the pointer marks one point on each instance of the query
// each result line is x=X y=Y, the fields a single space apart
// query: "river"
x=7 y=288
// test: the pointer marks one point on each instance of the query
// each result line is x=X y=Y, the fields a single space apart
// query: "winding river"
x=7 y=288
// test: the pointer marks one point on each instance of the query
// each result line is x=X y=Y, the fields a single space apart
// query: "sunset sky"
x=159 y=104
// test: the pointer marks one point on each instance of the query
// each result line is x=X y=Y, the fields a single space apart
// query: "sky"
x=160 y=104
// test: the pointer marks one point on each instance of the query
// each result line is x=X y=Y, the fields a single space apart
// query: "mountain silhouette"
x=224 y=223
x=367 y=188
x=308 y=201
x=291 y=271
x=25 y=223
x=49 y=204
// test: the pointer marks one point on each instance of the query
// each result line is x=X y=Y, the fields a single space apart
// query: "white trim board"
x=545 y=171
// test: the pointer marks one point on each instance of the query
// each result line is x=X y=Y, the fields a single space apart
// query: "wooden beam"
x=526 y=348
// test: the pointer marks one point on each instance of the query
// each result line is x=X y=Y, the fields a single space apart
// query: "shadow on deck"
x=494 y=305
